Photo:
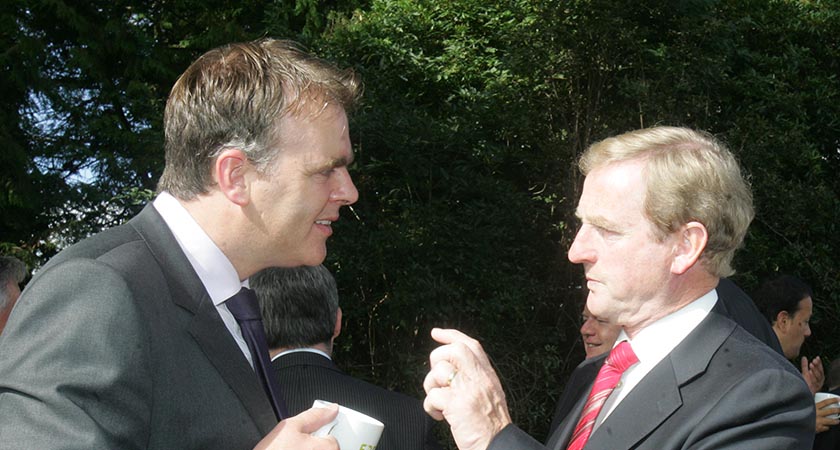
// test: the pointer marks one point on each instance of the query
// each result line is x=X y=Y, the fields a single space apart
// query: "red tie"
x=621 y=357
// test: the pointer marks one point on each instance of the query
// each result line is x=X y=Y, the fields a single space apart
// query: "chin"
x=315 y=258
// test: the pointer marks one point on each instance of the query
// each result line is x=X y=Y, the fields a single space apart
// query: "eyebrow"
x=343 y=161
x=596 y=220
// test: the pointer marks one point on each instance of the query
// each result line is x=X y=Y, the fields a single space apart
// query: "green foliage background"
x=474 y=113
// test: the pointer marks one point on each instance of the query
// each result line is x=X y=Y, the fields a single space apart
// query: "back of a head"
x=234 y=97
x=691 y=176
x=781 y=294
x=298 y=305
x=12 y=271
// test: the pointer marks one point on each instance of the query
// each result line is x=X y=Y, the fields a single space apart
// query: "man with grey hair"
x=662 y=212
x=146 y=335
x=302 y=320
x=12 y=274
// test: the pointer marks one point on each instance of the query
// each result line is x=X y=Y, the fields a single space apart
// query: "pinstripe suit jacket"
x=305 y=377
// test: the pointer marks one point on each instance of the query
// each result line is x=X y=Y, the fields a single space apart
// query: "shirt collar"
x=297 y=350
x=215 y=270
x=656 y=340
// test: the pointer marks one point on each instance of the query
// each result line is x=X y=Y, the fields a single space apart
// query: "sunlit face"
x=598 y=334
x=296 y=200
x=793 y=329
x=627 y=269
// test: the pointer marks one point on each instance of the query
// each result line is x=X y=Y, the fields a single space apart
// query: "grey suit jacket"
x=115 y=344
x=305 y=377
x=732 y=302
x=718 y=389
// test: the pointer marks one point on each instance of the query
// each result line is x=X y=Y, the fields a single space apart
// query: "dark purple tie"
x=246 y=310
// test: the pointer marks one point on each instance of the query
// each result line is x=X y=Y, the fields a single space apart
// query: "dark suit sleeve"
x=431 y=442
x=766 y=411
x=511 y=437
x=71 y=371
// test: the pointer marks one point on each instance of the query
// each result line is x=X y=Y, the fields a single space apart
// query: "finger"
x=435 y=403
x=824 y=413
x=312 y=419
x=457 y=355
x=817 y=367
x=827 y=402
x=450 y=336
x=463 y=354
x=441 y=375
x=330 y=442
x=804 y=364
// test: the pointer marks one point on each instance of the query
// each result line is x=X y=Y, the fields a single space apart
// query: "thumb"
x=312 y=419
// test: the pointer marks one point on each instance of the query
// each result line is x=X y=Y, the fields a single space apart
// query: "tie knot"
x=244 y=305
x=622 y=357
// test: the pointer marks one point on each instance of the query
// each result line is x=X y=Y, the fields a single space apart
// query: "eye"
x=601 y=230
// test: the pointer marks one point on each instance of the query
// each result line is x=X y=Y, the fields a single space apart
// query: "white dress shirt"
x=213 y=268
x=653 y=343
x=296 y=350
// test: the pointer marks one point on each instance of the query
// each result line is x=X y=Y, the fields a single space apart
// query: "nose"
x=345 y=191
x=586 y=329
x=580 y=251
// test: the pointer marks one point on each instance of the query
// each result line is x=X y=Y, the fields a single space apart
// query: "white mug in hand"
x=820 y=396
x=352 y=429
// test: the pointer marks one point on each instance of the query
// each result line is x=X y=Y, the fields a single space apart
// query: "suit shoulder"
x=387 y=395
x=746 y=348
x=102 y=245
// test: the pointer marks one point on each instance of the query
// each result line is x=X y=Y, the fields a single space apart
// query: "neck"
x=681 y=292
x=219 y=218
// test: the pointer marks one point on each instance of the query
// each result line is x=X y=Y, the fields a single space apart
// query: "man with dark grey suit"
x=662 y=212
x=302 y=319
x=130 y=339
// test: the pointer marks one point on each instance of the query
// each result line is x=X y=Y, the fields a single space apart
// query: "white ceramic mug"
x=820 y=396
x=352 y=429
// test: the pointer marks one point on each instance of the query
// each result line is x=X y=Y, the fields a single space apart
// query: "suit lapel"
x=206 y=326
x=657 y=396
x=214 y=339
x=645 y=407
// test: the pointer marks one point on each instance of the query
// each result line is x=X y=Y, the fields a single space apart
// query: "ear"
x=337 y=330
x=230 y=172
x=782 y=321
x=693 y=237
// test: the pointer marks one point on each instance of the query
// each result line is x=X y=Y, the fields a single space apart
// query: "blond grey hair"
x=690 y=176
x=234 y=97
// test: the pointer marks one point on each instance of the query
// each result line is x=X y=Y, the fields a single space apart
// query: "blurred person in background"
x=12 y=274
